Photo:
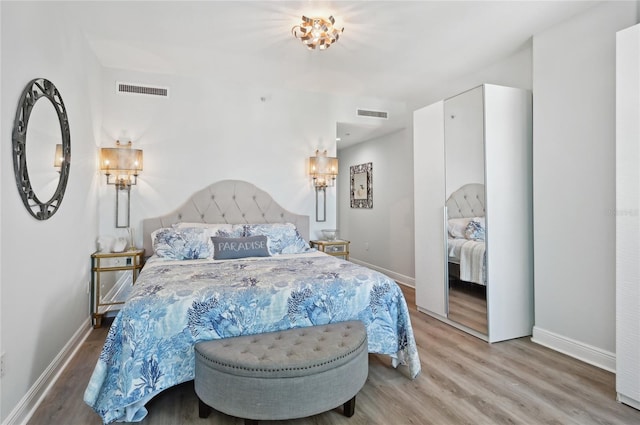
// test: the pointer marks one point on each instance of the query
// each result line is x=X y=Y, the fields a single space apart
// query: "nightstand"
x=112 y=277
x=337 y=248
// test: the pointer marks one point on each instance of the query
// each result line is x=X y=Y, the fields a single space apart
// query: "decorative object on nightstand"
x=112 y=276
x=337 y=247
x=330 y=234
x=124 y=164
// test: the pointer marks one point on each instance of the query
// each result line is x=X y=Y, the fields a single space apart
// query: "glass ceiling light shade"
x=317 y=32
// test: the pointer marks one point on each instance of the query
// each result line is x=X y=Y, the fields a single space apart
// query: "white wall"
x=45 y=264
x=512 y=71
x=381 y=237
x=574 y=182
x=207 y=131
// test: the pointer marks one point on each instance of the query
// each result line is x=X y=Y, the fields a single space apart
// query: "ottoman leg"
x=250 y=422
x=204 y=410
x=349 y=408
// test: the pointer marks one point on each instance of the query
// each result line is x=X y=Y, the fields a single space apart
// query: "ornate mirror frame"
x=35 y=90
x=362 y=185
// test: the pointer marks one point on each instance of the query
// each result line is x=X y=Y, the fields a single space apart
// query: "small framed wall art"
x=362 y=185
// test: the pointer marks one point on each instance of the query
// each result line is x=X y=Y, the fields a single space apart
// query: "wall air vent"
x=129 y=88
x=373 y=114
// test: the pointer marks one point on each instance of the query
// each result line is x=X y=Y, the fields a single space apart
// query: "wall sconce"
x=121 y=165
x=324 y=170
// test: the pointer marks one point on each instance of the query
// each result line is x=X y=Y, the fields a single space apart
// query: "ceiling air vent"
x=373 y=114
x=130 y=88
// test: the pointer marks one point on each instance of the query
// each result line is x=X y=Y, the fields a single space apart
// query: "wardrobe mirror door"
x=465 y=211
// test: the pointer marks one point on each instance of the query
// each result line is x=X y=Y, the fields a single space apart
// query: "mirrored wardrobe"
x=473 y=211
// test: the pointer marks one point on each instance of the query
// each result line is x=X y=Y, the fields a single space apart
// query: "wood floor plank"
x=468 y=305
x=464 y=380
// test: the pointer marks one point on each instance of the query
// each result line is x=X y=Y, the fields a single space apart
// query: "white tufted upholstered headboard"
x=468 y=201
x=227 y=201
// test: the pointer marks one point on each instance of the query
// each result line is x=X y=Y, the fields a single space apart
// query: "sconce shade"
x=121 y=160
x=59 y=156
x=323 y=169
x=122 y=163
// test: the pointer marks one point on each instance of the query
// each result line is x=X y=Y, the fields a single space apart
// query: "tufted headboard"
x=227 y=201
x=468 y=201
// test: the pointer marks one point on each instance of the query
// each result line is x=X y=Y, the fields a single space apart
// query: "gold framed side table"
x=113 y=274
x=337 y=248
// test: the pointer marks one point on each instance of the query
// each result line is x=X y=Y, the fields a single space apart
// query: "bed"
x=179 y=301
x=466 y=234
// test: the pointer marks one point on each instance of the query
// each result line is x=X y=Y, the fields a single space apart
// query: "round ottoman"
x=283 y=375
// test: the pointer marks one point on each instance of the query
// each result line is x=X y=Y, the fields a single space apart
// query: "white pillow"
x=458 y=226
x=215 y=226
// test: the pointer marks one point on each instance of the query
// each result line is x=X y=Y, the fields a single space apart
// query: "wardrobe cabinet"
x=628 y=216
x=472 y=162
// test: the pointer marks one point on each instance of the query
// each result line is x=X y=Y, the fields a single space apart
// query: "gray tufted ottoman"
x=283 y=375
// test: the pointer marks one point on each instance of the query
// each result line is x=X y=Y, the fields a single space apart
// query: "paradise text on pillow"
x=241 y=246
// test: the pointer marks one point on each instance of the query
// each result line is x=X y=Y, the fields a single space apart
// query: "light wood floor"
x=464 y=381
x=468 y=305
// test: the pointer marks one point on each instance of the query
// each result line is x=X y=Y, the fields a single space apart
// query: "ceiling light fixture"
x=317 y=32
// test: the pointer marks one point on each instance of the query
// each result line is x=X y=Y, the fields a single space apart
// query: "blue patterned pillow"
x=475 y=229
x=182 y=244
x=283 y=238
x=188 y=243
x=230 y=248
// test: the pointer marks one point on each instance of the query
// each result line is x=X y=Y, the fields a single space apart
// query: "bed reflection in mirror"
x=465 y=210
x=466 y=269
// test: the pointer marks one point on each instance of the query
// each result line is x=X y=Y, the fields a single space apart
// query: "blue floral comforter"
x=175 y=304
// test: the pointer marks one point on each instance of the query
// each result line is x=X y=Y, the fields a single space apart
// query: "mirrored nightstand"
x=337 y=248
x=112 y=277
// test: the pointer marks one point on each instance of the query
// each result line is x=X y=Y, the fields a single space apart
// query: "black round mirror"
x=44 y=143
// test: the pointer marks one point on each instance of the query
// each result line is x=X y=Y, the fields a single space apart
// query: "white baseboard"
x=621 y=398
x=587 y=353
x=32 y=399
x=400 y=278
